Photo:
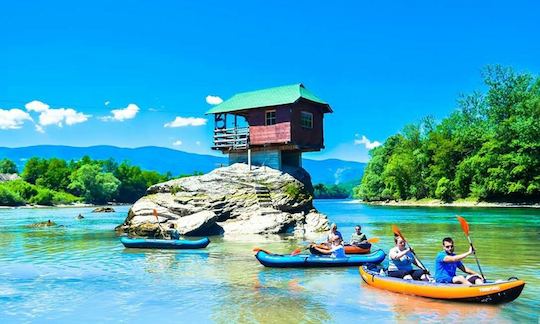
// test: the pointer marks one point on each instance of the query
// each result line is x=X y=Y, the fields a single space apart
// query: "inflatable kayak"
x=364 y=248
x=143 y=243
x=488 y=293
x=303 y=261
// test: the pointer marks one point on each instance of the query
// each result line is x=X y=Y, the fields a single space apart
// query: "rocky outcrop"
x=230 y=200
x=103 y=210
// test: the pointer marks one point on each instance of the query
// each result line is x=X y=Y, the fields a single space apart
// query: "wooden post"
x=249 y=159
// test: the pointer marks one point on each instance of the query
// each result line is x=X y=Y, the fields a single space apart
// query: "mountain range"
x=161 y=159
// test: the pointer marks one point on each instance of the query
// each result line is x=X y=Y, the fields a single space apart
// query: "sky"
x=143 y=73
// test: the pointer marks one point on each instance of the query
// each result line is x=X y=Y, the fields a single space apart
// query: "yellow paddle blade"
x=374 y=240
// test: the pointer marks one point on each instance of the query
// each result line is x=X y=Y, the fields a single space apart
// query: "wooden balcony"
x=272 y=134
x=226 y=139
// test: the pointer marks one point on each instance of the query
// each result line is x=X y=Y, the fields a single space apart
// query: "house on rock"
x=270 y=127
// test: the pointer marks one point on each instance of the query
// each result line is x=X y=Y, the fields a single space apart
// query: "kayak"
x=309 y=260
x=489 y=293
x=143 y=243
x=364 y=248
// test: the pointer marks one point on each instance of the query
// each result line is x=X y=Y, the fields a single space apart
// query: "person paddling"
x=173 y=233
x=447 y=262
x=401 y=260
x=334 y=235
x=358 y=237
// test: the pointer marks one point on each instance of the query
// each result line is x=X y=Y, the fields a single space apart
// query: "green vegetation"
x=489 y=149
x=55 y=181
x=7 y=166
x=19 y=192
x=336 y=191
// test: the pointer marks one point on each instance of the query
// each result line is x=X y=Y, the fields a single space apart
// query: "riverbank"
x=440 y=203
x=76 y=205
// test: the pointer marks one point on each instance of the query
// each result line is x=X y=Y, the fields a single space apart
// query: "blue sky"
x=116 y=72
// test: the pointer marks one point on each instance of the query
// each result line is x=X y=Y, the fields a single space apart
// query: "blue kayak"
x=309 y=260
x=143 y=243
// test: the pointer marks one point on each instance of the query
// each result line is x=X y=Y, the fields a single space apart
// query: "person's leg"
x=417 y=274
x=475 y=279
x=397 y=274
x=460 y=280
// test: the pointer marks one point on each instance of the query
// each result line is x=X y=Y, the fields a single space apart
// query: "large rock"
x=230 y=200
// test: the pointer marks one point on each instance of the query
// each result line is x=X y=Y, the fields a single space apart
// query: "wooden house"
x=270 y=127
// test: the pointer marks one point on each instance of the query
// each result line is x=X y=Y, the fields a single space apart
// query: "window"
x=270 y=117
x=306 y=119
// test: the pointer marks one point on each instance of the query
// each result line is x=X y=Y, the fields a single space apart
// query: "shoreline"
x=61 y=206
x=438 y=203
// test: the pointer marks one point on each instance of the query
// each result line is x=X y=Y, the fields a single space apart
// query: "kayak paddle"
x=396 y=231
x=465 y=227
x=157 y=219
x=299 y=250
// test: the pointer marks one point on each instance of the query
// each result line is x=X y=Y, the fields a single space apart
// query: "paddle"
x=299 y=250
x=161 y=228
x=396 y=231
x=257 y=249
x=465 y=227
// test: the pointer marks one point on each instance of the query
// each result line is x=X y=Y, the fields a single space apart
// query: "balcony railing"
x=231 y=138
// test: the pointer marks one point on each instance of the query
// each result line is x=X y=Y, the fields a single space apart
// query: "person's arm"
x=398 y=255
x=363 y=239
x=470 y=271
x=459 y=257
x=316 y=247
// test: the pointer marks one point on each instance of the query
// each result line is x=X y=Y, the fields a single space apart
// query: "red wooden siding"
x=307 y=137
x=278 y=133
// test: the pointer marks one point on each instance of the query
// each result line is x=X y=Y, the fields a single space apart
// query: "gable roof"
x=267 y=97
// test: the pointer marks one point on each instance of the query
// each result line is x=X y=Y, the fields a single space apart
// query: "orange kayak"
x=488 y=293
x=349 y=249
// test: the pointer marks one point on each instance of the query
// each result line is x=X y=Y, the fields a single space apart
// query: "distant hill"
x=331 y=171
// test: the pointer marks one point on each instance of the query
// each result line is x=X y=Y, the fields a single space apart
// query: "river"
x=81 y=272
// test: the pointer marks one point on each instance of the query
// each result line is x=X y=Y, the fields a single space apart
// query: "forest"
x=488 y=149
x=56 y=181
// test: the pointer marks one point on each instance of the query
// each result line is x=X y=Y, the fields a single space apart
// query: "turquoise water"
x=81 y=272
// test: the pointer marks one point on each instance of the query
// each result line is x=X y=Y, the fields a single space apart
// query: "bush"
x=10 y=198
x=44 y=197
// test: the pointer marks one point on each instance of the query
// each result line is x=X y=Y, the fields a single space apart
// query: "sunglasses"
x=448 y=246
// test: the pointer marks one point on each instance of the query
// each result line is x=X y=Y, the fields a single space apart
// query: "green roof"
x=267 y=97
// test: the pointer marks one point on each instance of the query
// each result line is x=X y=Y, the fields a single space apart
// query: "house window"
x=306 y=119
x=270 y=117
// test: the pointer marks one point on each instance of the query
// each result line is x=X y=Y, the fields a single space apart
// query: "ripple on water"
x=85 y=274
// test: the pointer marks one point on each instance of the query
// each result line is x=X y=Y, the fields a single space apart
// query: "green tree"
x=33 y=169
x=95 y=186
x=8 y=166
x=489 y=148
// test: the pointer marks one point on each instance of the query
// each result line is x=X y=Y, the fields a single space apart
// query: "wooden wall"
x=287 y=128
x=307 y=137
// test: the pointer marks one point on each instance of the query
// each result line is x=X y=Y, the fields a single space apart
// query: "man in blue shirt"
x=447 y=262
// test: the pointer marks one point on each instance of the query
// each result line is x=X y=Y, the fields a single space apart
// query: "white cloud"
x=213 y=100
x=198 y=142
x=186 y=121
x=123 y=114
x=52 y=116
x=107 y=102
x=60 y=116
x=366 y=142
x=36 y=106
x=177 y=143
x=13 y=118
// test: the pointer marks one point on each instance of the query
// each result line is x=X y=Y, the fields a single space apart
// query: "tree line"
x=56 y=181
x=488 y=149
